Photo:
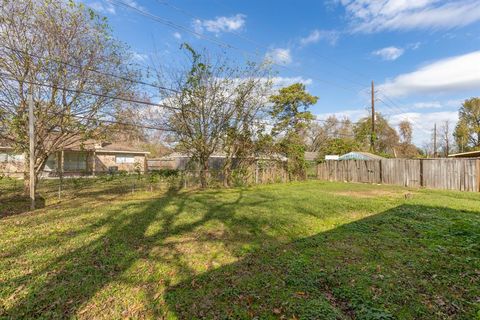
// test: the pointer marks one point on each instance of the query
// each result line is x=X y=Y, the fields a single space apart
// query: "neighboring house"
x=311 y=156
x=471 y=154
x=332 y=157
x=357 y=155
x=182 y=161
x=81 y=159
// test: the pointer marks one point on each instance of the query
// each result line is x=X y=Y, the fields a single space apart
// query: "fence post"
x=381 y=172
x=478 y=174
x=421 y=173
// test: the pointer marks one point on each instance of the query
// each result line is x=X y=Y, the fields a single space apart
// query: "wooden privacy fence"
x=447 y=174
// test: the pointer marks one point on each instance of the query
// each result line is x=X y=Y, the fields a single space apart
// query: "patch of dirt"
x=373 y=194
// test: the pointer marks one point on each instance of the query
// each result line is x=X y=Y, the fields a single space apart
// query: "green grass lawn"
x=306 y=250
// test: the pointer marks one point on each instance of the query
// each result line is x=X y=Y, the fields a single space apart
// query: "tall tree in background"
x=467 y=131
x=386 y=136
x=405 y=148
x=318 y=133
x=291 y=116
x=445 y=138
x=331 y=136
x=50 y=49
x=406 y=131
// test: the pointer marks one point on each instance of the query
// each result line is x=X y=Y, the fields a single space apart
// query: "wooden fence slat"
x=447 y=174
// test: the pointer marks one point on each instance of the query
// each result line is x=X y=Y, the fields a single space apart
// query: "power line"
x=89 y=69
x=257 y=43
x=126 y=124
x=397 y=111
x=220 y=43
x=90 y=93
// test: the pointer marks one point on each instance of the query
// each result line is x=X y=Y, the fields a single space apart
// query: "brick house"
x=88 y=158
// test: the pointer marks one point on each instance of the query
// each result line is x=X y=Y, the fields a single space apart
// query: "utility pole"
x=372 y=135
x=435 y=140
x=31 y=138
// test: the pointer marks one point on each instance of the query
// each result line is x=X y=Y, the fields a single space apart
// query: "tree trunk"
x=26 y=175
x=204 y=174
x=227 y=172
x=26 y=182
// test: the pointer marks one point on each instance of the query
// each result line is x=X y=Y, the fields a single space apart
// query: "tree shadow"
x=395 y=263
x=76 y=276
x=62 y=287
x=17 y=204
x=412 y=262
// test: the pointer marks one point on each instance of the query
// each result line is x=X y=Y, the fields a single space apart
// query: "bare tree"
x=242 y=141
x=406 y=131
x=57 y=51
x=320 y=134
x=212 y=108
x=445 y=138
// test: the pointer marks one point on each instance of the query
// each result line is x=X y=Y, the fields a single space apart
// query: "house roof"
x=176 y=155
x=359 y=155
x=93 y=145
x=470 y=154
x=106 y=147
x=311 y=156
x=4 y=145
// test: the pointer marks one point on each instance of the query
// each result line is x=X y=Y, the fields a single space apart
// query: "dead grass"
x=368 y=194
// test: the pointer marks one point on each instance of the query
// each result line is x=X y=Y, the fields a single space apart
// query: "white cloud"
x=105 y=6
x=452 y=74
x=134 y=4
x=378 y=15
x=177 y=35
x=389 y=53
x=422 y=123
x=102 y=7
x=414 y=45
x=330 y=36
x=353 y=115
x=436 y=104
x=140 y=57
x=279 y=56
x=286 y=81
x=220 y=24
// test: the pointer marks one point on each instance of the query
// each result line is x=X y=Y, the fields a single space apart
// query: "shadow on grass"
x=376 y=267
x=65 y=284
x=17 y=204
x=409 y=262
x=57 y=192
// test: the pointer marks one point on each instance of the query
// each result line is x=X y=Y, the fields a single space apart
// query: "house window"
x=51 y=164
x=74 y=161
x=124 y=158
x=10 y=157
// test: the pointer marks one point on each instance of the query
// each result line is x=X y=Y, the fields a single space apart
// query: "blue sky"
x=424 y=55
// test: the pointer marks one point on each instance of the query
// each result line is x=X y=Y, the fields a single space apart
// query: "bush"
x=165 y=173
x=240 y=177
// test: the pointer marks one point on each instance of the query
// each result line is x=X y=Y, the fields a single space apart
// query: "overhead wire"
x=89 y=69
x=218 y=42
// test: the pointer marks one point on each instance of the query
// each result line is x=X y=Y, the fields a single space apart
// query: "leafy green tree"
x=386 y=138
x=337 y=146
x=467 y=131
x=291 y=115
